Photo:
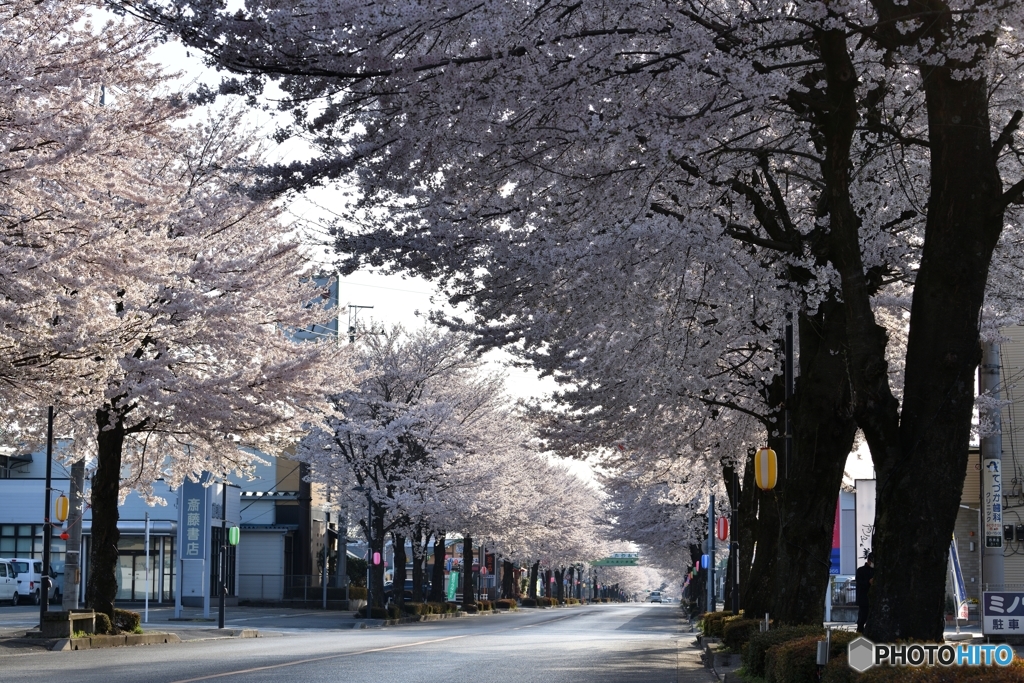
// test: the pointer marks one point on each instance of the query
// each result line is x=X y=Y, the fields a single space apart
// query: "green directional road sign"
x=616 y=562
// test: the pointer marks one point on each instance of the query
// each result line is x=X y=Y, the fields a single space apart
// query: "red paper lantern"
x=722 y=528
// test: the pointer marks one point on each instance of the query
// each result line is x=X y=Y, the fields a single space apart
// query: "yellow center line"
x=315 y=659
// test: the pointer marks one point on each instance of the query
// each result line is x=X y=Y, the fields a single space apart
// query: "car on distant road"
x=655 y=596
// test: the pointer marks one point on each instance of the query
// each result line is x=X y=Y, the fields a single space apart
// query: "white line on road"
x=315 y=659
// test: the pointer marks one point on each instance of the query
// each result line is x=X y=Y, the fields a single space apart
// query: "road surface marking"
x=314 y=659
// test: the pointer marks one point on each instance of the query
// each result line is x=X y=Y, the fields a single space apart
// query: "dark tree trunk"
x=571 y=576
x=398 y=583
x=919 y=451
x=559 y=587
x=102 y=586
x=916 y=514
x=508 y=580
x=794 y=537
x=418 y=558
x=437 y=578
x=531 y=590
x=377 y=546
x=468 y=586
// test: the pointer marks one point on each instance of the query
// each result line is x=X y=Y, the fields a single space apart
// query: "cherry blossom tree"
x=856 y=151
x=151 y=301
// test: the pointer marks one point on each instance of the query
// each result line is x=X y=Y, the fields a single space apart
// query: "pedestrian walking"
x=865 y=576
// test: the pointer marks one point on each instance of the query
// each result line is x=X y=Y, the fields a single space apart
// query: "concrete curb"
x=98 y=642
x=124 y=640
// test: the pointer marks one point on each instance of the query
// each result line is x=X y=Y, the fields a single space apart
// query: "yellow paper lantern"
x=766 y=470
x=60 y=508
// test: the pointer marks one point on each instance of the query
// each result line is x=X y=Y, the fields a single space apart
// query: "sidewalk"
x=240 y=622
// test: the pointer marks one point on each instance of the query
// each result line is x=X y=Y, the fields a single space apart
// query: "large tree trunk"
x=468 y=588
x=508 y=580
x=437 y=577
x=920 y=476
x=920 y=453
x=419 y=558
x=102 y=587
x=377 y=546
x=531 y=590
x=398 y=582
x=802 y=506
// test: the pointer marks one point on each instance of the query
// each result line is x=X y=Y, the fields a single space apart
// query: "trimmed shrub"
x=485 y=605
x=470 y=609
x=736 y=632
x=103 y=624
x=450 y=608
x=356 y=593
x=505 y=604
x=711 y=623
x=394 y=612
x=761 y=642
x=838 y=671
x=126 y=621
x=528 y=602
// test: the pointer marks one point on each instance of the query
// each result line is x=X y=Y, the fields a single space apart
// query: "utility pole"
x=992 y=576
x=353 y=319
x=73 y=552
x=45 y=579
x=711 y=554
x=223 y=549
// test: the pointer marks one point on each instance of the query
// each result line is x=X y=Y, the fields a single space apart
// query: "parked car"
x=389 y=589
x=29 y=580
x=8 y=580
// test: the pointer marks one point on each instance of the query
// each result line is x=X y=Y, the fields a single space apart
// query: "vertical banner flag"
x=865 y=524
x=833 y=567
x=959 y=587
x=453 y=584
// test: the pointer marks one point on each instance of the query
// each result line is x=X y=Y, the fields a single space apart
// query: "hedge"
x=759 y=644
x=356 y=593
x=796 y=661
x=711 y=623
x=736 y=632
x=838 y=671
x=126 y=621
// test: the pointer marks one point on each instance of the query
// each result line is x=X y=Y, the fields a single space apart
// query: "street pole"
x=734 y=550
x=789 y=391
x=44 y=588
x=711 y=554
x=73 y=548
x=369 y=553
x=992 y=571
x=223 y=548
x=323 y=579
x=145 y=614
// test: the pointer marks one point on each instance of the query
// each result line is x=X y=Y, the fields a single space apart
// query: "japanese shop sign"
x=193 y=521
x=992 y=502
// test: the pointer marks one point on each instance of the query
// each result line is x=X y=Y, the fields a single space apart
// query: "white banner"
x=992 y=502
x=865 y=517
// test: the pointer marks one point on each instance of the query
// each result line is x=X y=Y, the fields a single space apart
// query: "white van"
x=30 y=574
x=8 y=580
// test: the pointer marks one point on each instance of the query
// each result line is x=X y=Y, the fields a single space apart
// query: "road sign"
x=616 y=562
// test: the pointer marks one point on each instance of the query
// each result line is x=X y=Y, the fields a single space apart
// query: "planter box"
x=63 y=624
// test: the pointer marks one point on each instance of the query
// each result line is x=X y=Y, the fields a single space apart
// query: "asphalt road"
x=633 y=643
